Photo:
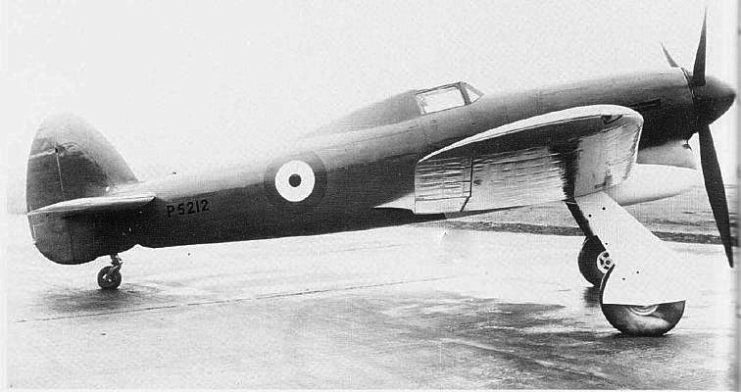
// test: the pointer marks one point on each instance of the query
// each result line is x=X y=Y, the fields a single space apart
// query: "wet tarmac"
x=403 y=307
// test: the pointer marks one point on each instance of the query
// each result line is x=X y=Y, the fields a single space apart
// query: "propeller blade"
x=715 y=189
x=698 y=72
x=669 y=58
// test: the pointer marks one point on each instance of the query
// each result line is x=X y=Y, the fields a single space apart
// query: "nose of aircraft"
x=713 y=99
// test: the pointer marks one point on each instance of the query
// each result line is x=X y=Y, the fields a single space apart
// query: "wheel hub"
x=604 y=262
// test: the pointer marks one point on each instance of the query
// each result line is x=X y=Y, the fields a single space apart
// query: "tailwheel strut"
x=109 y=277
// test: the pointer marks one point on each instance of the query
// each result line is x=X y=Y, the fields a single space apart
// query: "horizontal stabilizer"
x=93 y=205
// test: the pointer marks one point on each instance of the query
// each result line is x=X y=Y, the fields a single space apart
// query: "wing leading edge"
x=551 y=157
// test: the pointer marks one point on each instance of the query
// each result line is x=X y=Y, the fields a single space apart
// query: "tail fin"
x=69 y=159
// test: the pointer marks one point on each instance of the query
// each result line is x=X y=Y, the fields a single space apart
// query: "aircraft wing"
x=91 y=205
x=551 y=157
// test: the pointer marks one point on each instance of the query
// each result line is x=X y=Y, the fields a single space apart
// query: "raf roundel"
x=296 y=183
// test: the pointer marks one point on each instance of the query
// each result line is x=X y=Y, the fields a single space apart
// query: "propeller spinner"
x=711 y=98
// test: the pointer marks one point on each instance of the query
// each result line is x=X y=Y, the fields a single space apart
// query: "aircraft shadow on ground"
x=591 y=297
x=73 y=302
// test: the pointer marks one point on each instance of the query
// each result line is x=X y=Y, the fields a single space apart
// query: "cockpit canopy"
x=403 y=107
x=446 y=97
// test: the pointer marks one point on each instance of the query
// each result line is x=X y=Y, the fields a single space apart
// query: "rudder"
x=69 y=159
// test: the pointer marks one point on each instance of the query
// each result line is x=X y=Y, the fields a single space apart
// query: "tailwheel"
x=109 y=277
x=594 y=260
x=652 y=320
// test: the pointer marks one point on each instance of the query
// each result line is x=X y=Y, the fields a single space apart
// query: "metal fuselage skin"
x=366 y=168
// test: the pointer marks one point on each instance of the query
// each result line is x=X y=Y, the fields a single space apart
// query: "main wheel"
x=594 y=261
x=109 y=280
x=652 y=320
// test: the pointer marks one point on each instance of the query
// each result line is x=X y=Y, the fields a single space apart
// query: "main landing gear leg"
x=109 y=277
x=643 y=292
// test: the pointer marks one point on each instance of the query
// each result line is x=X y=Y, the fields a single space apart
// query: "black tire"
x=594 y=261
x=651 y=320
x=108 y=280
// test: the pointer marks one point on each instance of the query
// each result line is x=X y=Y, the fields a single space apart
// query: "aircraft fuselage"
x=366 y=168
